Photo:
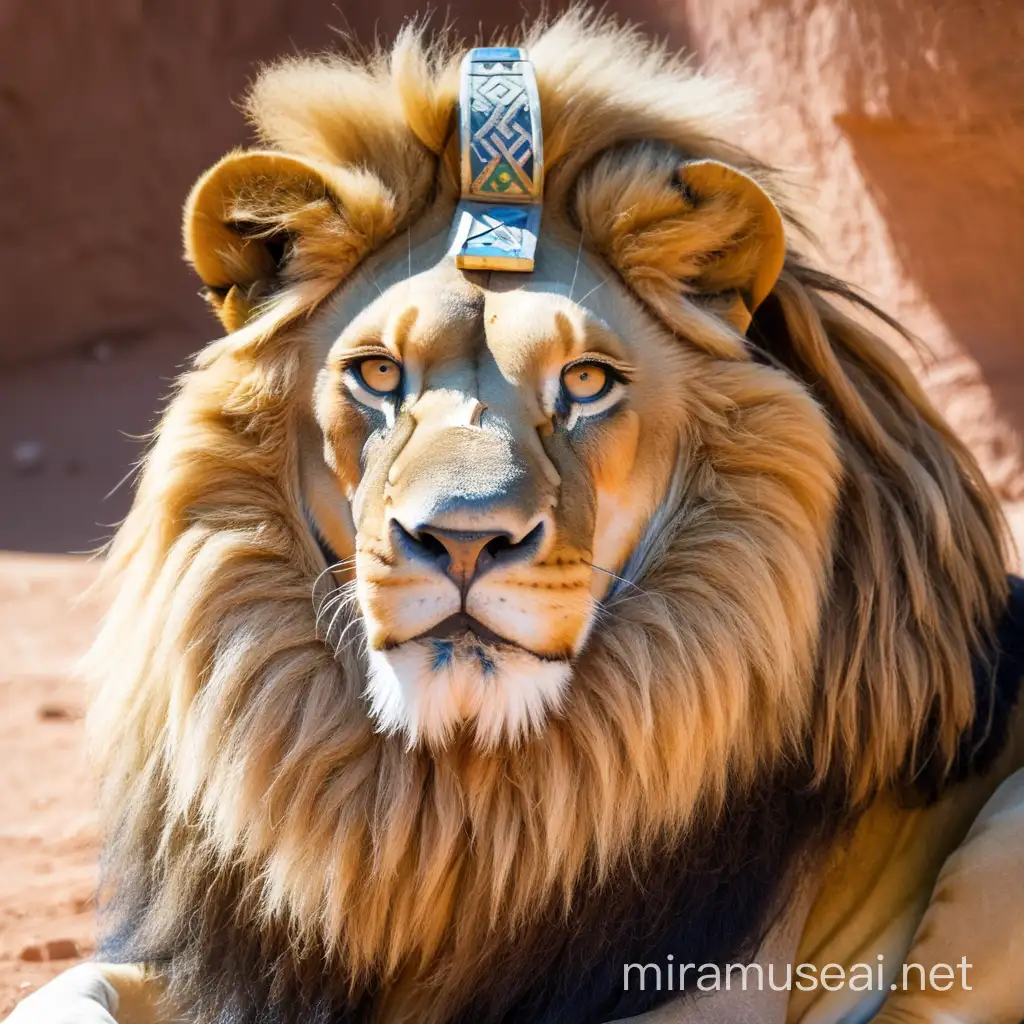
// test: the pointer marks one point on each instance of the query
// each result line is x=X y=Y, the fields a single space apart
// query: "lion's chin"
x=427 y=689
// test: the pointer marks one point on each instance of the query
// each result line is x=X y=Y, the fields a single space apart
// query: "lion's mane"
x=276 y=857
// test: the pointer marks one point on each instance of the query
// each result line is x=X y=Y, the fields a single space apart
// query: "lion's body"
x=747 y=616
x=879 y=898
x=881 y=887
x=868 y=902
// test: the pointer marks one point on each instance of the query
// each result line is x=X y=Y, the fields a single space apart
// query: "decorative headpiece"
x=502 y=151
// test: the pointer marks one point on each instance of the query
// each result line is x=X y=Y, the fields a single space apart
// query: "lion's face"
x=501 y=442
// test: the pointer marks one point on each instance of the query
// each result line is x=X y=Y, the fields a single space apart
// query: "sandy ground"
x=48 y=841
x=47 y=826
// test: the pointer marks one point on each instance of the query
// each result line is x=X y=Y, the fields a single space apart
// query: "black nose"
x=464 y=554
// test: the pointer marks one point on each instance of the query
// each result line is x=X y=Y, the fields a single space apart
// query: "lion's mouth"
x=461 y=672
x=461 y=624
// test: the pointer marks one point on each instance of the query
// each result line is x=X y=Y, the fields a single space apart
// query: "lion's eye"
x=379 y=374
x=586 y=382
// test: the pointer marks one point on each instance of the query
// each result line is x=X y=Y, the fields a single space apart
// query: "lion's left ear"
x=260 y=220
x=699 y=228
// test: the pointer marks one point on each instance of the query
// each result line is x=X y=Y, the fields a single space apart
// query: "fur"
x=279 y=860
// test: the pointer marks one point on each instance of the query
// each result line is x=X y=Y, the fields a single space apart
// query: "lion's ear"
x=748 y=240
x=259 y=220
x=699 y=228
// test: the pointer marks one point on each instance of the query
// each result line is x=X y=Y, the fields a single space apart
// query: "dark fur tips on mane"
x=998 y=675
x=708 y=897
x=711 y=899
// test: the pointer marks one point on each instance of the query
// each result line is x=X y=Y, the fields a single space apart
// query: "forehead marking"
x=401 y=326
x=566 y=332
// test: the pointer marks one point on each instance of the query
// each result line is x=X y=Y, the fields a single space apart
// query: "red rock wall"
x=107 y=113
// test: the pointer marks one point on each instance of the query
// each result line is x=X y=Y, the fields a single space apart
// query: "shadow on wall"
x=954 y=206
x=937 y=130
x=108 y=113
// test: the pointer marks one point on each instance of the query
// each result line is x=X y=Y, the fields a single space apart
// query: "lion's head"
x=445 y=593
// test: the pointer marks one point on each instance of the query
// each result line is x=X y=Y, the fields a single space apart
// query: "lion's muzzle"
x=461 y=616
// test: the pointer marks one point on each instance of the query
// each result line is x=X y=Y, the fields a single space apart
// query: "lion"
x=480 y=638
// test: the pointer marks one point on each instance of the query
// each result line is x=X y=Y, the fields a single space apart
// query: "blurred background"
x=902 y=122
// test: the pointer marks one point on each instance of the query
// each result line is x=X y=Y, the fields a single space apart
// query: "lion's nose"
x=464 y=554
x=463 y=549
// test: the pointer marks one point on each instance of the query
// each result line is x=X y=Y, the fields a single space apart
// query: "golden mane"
x=229 y=736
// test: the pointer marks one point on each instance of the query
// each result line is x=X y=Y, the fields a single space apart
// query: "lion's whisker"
x=575 y=269
x=616 y=576
x=339 y=596
x=341 y=646
x=373 y=281
x=343 y=563
x=340 y=602
x=338 y=593
x=330 y=629
x=600 y=284
x=325 y=606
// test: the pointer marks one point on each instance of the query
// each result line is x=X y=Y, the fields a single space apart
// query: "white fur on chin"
x=427 y=688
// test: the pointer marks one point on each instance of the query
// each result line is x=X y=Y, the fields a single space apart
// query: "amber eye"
x=585 y=382
x=381 y=375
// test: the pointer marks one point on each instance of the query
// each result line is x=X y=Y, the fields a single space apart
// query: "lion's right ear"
x=257 y=221
x=674 y=228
